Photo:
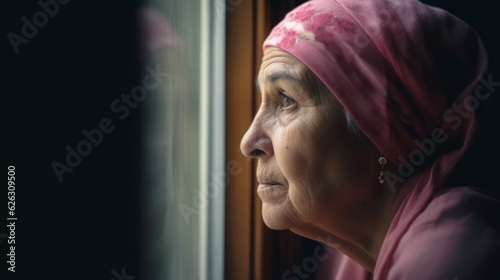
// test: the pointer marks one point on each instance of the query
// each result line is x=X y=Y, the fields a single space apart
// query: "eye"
x=286 y=101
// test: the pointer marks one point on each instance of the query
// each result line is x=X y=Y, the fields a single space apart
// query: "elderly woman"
x=367 y=107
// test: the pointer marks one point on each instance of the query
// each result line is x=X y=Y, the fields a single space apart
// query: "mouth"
x=263 y=184
x=271 y=191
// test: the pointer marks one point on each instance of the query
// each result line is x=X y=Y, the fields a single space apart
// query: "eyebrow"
x=277 y=76
x=281 y=75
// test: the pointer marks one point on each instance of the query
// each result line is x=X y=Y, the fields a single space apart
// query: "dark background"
x=63 y=81
x=481 y=165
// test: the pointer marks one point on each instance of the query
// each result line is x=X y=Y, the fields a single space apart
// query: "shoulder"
x=456 y=237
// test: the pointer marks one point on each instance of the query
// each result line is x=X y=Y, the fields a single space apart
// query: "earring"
x=381 y=178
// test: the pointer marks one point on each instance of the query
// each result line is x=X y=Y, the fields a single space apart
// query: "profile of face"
x=312 y=171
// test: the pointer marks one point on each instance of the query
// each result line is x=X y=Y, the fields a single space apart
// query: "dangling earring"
x=381 y=178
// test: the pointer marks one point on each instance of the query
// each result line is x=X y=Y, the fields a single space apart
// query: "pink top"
x=456 y=237
x=411 y=76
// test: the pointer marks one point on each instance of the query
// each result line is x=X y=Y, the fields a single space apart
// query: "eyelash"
x=285 y=98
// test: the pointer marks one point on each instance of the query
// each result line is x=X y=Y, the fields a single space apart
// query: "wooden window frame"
x=252 y=251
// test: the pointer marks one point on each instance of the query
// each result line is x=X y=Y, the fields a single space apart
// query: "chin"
x=275 y=218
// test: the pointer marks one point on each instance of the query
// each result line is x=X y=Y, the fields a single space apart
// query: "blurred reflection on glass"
x=170 y=40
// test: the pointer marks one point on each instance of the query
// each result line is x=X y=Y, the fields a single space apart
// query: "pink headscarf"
x=400 y=68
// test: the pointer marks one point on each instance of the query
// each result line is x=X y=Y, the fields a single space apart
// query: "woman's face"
x=310 y=169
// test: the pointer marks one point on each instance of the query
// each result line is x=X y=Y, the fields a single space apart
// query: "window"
x=183 y=159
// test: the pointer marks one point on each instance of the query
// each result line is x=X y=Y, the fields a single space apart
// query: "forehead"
x=277 y=63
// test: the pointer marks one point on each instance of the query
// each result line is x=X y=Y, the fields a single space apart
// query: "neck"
x=362 y=238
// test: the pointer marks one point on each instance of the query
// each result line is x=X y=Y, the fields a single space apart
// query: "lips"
x=268 y=183
x=271 y=190
x=272 y=193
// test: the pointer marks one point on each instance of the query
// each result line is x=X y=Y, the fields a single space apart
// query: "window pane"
x=172 y=235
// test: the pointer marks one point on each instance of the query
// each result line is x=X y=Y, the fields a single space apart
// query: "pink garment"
x=411 y=76
x=456 y=237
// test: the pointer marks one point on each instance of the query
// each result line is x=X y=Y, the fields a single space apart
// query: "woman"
x=367 y=107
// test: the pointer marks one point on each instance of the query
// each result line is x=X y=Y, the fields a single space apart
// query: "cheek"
x=320 y=161
x=307 y=152
x=300 y=159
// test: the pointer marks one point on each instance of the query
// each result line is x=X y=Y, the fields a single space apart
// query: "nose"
x=256 y=141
